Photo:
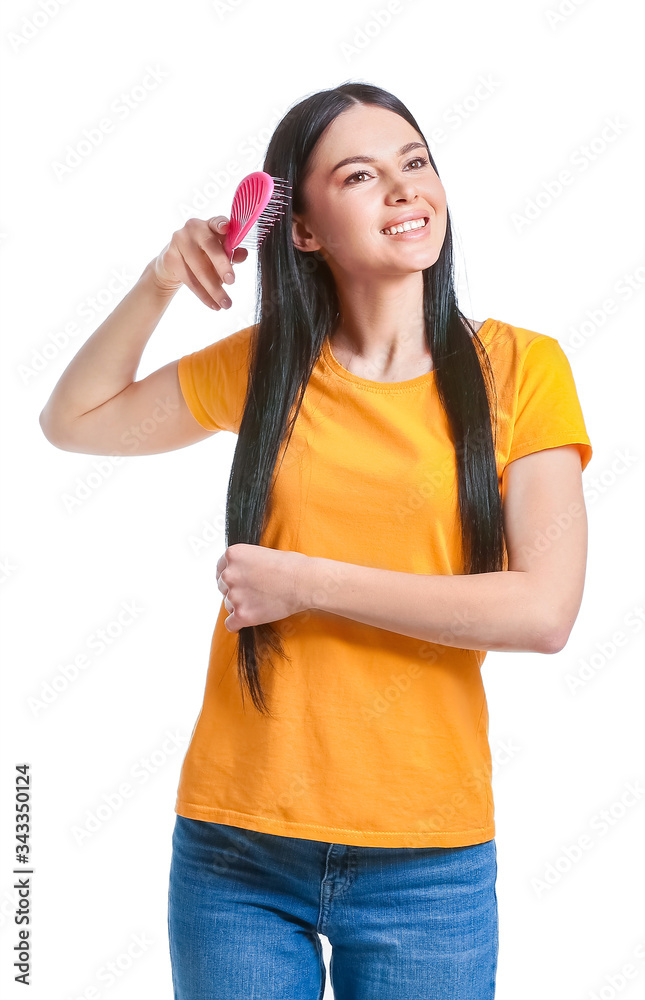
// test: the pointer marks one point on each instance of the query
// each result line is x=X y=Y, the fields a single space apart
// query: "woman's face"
x=349 y=205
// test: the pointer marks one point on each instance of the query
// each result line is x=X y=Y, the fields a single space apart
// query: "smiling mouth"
x=407 y=227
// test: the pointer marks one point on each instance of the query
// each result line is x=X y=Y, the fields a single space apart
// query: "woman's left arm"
x=531 y=607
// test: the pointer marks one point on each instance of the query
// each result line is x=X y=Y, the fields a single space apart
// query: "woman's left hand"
x=261 y=584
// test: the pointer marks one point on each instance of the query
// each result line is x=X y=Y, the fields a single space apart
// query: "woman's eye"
x=357 y=174
x=417 y=159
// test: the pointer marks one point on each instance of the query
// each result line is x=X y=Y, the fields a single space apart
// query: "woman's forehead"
x=354 y=137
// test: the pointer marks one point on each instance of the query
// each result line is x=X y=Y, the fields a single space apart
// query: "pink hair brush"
x=258 y=201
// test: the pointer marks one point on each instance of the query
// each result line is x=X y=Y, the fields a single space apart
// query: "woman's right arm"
x=97 y=407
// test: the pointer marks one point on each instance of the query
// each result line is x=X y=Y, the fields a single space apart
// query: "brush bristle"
x=270 y=214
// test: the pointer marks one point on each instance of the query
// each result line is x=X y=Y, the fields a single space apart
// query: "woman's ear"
x=302 y=238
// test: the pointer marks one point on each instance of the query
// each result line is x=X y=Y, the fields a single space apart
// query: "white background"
x=520 y=93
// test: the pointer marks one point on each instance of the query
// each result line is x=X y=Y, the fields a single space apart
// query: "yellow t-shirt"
x=379 y=739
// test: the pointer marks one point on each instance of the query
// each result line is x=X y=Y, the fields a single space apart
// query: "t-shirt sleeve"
x=548 y=411
x=213 y=381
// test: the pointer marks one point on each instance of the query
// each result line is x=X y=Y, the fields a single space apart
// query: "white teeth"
x=405 y=227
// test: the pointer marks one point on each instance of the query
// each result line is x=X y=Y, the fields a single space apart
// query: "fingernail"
x=229 y=277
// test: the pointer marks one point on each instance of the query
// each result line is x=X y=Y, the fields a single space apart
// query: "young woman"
x=405 y=495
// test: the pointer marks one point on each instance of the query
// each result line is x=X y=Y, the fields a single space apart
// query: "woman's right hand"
x=195 y=257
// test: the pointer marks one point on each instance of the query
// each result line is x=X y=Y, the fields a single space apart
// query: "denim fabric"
x=246 y=911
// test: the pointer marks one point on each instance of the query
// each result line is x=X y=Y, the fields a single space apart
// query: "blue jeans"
x=245 y=911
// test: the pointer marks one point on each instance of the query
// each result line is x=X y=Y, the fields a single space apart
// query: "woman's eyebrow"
x=372 y=159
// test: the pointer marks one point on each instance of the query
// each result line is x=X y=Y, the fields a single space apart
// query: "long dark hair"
x=296 y=308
